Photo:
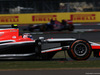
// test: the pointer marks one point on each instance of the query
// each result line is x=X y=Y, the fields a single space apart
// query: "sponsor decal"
x=13 y=30
x=44 y=17
x=9 y=18
x=83 y=17
x=1 y=33
x=13 y=37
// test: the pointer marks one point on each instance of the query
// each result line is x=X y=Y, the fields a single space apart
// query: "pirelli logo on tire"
x=83 y=17
x=9 y=18
x=44 y=17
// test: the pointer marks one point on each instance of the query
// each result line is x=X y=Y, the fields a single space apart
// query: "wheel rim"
x=80 y=49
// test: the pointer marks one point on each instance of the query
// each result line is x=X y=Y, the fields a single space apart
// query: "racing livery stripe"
x=95 y=47
x=9 y=55
x=18 y=43
x=7 y=28
x=7 y=41
x=61 y=39
x=54 y=49
x=94 y=44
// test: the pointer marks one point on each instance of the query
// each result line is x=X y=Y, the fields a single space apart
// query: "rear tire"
x=80 y=50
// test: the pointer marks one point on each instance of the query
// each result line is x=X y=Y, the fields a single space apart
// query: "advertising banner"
x=38 y=18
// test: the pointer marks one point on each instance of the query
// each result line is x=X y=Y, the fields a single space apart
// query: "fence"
x=41 y=6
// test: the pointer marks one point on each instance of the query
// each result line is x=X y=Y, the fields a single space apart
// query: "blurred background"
x=83 y=13
x=41 y=6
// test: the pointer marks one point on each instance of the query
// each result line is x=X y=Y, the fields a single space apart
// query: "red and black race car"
x=53 y=25
x=15 y=46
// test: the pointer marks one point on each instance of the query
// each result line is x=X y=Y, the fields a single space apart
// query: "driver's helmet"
x=14 y=26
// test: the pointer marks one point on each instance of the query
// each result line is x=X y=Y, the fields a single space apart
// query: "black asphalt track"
x=53 y=72
x=90 y=36
x=88 y=27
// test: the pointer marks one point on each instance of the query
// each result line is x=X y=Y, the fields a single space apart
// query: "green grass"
x=48 y=64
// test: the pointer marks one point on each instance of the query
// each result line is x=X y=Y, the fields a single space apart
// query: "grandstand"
x=41 y=6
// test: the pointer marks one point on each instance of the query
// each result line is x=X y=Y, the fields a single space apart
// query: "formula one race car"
x=54 y=25
x=13 y=46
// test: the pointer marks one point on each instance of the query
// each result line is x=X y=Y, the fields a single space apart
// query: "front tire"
x=80 y=50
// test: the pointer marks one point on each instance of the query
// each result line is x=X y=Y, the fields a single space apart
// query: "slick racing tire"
x=80 y=50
